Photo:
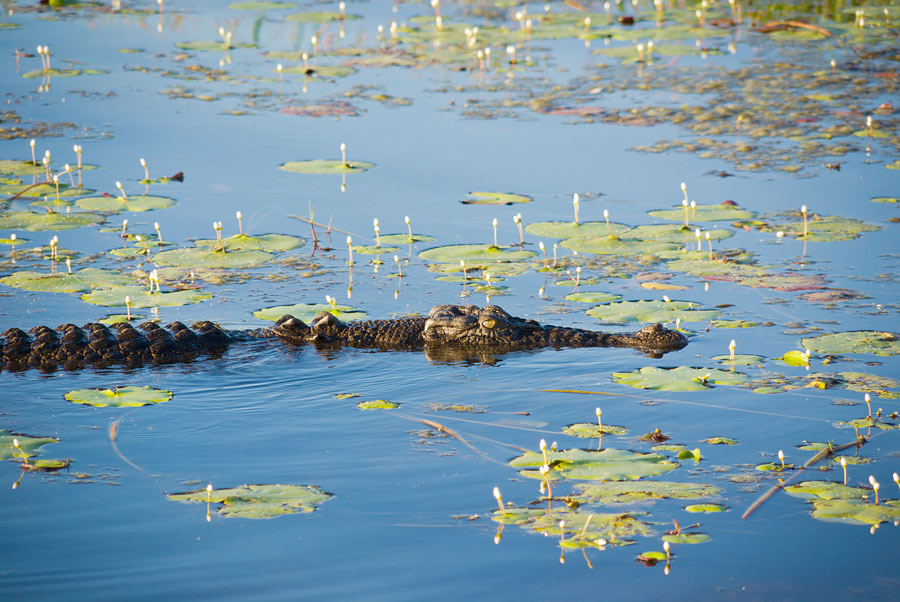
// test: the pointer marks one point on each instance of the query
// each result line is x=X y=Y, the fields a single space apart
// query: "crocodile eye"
x=488 y=323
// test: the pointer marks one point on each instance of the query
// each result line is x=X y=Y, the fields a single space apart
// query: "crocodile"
x=449 y=332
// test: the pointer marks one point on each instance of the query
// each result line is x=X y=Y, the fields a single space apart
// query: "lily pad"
x=652 y=311
x=139 y=297
x=82 y=280
x=579 y=230
x=474 y=253
x=676 y=234
x=626 y=492
x=319 y=17
x=405 y=239
x=732 y=324
x=795 y=358
x=858 y=341
x=495 y=198
x=886 y=199
x=681 y=378
x=706 y=508
x=120 y=397
x=581 y=529
x=740 y=359
x=52 y=72
x=615 y=245
x=20 y=168
x=212 y=46
x=259 y=501
x=199 y=257
x=592 y=297
x=704 y=213
x=319 y=71
x=308 y=311
x=856 y=512
x=326 y=167
x=689 y=538
x=36 y=222
x=591 y=430
x=261 y=242
x=378 y=404
x=28 y=445
x=134 y=202
x=604 y=465
x=720 y=441
x=826 y=490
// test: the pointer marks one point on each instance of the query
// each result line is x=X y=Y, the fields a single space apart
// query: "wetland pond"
x=727 y=169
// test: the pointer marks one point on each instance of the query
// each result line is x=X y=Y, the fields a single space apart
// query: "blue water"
x=268 y=414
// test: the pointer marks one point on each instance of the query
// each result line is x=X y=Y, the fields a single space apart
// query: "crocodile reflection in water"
x=449 y=333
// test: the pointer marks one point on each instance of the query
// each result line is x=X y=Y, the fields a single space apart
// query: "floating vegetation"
x=83 y=280
x=260 y=242
x=139 y=296
x=258 y=501
x=326 y=167
x=681 y=378
x=603 y=465
x=706 y=508
x=27 y=446
x=577 y=529
x=628 y=492
x=378 y=404
x=134 y=202
x=201 y=257
x=816 y=228
x=495 y=198
x=721 y=212
x=577 y=229
x=472 y=254
x=120 y=397
x=652 y=311
x=855 y=341
x=720 y=441
x=34 y=221
x=308 y=311
x=592 y=297
x=593 y=430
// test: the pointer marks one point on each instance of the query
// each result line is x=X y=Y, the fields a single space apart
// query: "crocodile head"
x=656 y=340
x=471 y=326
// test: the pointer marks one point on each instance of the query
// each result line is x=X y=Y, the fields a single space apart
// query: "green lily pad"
x=681 y=378
x=347 y=395
x=42 y=190
x=739 y=359
x=626 y=492
x=212 y=46
x=20 y=168
x=720 y=441
x=775 y=467
x=261 y=5
x=652 y=311
x=795 y=358
x=82 y=280
x=405 y=239
x=29 y=445
x=319 y=71
x=378 y=404
x=690 y=454
x=732 y=324
x=259 y=501
x=319 y=17
x=36 y=222
x=573 y=230
x=591 y=430
x=52 y=72
x=858 y=341
x=581 y=529
x=676 y=234
x=886 y=199
x=308 y=311
x=134 y=202
x=706 y=508
x=261 y=242
x=604 y=465
x=121 y=318
x=199 y=257
x=46 y=465
x=121 y=397
x=865 y=423
x=495 y=198
x=826 y=490
x=592 y=297
x=652 y=558
x=326 y=167
x=856 y=512
x=115 y=297
x=472 y=254
x=704 y=213
x=374 y=250
x=689 y=538
x=614 y=245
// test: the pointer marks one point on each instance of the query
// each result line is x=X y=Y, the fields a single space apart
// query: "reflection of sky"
x=268 y=415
